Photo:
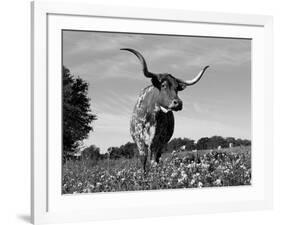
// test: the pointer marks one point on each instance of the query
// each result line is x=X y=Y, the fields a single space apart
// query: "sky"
x=219 y=104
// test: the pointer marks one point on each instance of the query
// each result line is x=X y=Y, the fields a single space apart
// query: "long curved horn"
x=142 y=60
x=197 y=78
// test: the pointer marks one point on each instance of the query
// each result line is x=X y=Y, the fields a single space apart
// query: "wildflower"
x=174 y=174
x=227 y=171
x=192 y=181
x=183 y=173
x=153 y=164
x=205 y=165
x=217 y=182
x=184 y=176
x=87 y=190
x=200 y=184
x=119 y=173
x=180 y=180
x=91 y=186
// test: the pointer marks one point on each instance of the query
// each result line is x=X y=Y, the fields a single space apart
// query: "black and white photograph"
x=154 y=111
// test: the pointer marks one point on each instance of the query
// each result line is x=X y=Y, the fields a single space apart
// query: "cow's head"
x=167 y=85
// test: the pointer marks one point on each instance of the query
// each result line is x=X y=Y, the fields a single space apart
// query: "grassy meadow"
x=205 y=168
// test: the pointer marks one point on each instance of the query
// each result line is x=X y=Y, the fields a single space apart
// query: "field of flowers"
x=229 y=167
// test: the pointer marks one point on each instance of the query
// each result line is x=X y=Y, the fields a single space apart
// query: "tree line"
x=129 y=150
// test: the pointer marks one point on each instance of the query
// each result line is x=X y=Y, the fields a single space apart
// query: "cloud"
x=98 y=53
x=119 y=104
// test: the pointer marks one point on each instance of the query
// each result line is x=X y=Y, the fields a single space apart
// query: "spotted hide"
x=151 y=128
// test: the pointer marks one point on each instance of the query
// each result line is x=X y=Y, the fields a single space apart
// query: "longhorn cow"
x=152 y=122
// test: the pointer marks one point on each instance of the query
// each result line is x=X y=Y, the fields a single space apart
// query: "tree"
x=91 y=153
x=77 y=116
x=247 y=142
x=202 y=143
x=230 y=140
x=216 y=141
x=128 y=150
x=114 y=152
x=104 y=156
x=177 y=143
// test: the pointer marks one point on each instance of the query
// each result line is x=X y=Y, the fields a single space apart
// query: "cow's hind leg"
x=143 y=159
x=159 y=152
x=143 y=152
x=151 y=158
x=158 y=155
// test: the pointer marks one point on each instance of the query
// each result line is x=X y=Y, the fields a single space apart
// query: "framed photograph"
x=140 y=112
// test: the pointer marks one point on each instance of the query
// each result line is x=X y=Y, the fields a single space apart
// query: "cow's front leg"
x=143 y=157
x=153 y=159
x=147 y=158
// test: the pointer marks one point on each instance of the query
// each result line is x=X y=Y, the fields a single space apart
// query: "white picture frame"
x=47 y=203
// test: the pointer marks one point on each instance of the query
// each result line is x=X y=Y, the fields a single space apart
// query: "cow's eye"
x=164 y=85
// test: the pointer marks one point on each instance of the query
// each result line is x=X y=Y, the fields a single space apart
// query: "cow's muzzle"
x=176 y=105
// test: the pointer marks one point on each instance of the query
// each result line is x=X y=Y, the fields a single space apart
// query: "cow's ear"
x=156 y=82
x=181 y=85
